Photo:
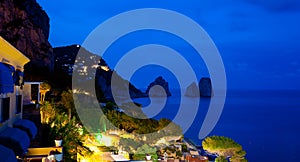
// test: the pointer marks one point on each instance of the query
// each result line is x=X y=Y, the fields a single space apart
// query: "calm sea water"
x=265 y=123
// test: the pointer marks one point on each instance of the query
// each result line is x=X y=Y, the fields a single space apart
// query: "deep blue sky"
x=258 y=40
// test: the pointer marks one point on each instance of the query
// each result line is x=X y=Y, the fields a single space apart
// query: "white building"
x=15 y=133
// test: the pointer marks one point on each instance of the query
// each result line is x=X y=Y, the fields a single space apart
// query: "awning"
x=10 y=53
x=26 y=126
x=16 y=140
x=6 y=78
x=7 y=155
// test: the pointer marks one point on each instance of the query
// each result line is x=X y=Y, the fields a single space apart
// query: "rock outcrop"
x=25 y=25
x=90 y=66
x=159 y=92
x=120 y=85
x=192 y=90
x=205 y=87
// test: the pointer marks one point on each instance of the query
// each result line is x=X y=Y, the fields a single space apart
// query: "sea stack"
x=158 y=92
x=205 y=87
x=192 y=90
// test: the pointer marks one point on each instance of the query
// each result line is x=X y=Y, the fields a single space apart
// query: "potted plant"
x=148 y=157
x=58 y=141
x=58 y=134
x=58 y=129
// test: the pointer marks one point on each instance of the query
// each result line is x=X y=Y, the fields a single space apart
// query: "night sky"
x=258 y=40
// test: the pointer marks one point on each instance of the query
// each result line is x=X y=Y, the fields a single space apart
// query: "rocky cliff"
x=25 y=25
x=205 y=87
x=103 y=81
x=192 y=90
x=85 y=69
x=159 y=85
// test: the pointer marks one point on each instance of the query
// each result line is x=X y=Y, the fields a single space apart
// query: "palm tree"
x=68 y=103
x=44 y=88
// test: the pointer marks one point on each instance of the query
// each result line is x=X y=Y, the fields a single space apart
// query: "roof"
x=196 y=153
x=33 y=82
x=11 y=55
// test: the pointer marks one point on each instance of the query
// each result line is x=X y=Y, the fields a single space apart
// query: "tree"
x=224 y=146
x=163 y=122
x=56 y=125
x=133 y=109
x=68 y=131
x=221 y=159
x=237 y=159
x=184 y=148
x=44 y=88
x=144 y=150
x=47 y=111
x=129 y=145
x=68 y=103
x=110 y=106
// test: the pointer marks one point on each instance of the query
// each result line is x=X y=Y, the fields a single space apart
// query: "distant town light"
x=105 y=68
x=84 y=69
x=95 y=66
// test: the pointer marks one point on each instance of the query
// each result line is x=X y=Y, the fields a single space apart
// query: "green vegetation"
x=60 y=122
x=45 y=86
x=144 y=150
x=226 y=147
x=60 y=119
x=139 y=126
x=129 y=145
x=48 y=112
x=184 y=148
x=68 y=131
x=67 y=103
x=221 y=159
x=143 y=129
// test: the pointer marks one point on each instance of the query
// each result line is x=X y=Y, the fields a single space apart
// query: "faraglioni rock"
x=156 y=91
x=192 y=90
x=205 y=87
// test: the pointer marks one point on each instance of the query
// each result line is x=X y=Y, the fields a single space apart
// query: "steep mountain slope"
x=90 y=66
x=25 y=25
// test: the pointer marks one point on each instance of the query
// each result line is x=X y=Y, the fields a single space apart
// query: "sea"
x=265 y=122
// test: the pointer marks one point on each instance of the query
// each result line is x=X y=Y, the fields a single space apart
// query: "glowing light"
x=107 y=141
x=84 y=69
x=95 y=66
x=99 y=136
x=105 y=68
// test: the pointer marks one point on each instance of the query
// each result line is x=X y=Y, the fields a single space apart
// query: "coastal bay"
x=263 y=122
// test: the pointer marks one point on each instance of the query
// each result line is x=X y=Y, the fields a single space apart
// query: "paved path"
x=30 y=112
